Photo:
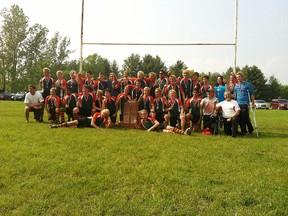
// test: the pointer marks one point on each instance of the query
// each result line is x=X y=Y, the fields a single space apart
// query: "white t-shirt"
x=229 y=108
x=33 y=99
x=208 y=105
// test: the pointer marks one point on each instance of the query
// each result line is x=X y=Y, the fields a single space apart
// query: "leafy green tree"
x=255 y=76
x=152 y=64
x=96 y=64
x=35 y=45
x=3 y=72
x=25 y=51
x=13 y=34
x=177 y=68
x=229 y=71
x=115 y=68
x=284 y=91
x=274 y=88
x=57 y=52
x=133 y=64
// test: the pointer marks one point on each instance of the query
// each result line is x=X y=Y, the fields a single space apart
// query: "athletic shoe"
x=188 y=131
x=53 y=126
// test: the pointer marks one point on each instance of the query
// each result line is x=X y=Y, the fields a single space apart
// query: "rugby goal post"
x=162 y=44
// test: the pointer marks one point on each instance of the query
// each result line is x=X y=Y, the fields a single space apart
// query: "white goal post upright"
x=162 y=44
x=236 y=35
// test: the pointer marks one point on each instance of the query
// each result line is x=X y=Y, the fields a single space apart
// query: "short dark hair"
x=206 y=76
x=107 y=90
x=196 y=73
x=87 y=87
x=32 y=86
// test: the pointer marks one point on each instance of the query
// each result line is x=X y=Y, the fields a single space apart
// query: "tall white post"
x=236 y=35
x=81 y=37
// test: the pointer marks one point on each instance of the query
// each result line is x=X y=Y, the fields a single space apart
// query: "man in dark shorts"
x=151 y=124
x=98 y=120
x=33 y=103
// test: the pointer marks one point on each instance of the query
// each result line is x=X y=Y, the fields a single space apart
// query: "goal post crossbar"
x=158 y=44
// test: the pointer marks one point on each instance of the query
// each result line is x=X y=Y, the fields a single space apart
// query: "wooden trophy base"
x=130 y=114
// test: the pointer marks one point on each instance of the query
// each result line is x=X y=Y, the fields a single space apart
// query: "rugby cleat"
x=188 y=131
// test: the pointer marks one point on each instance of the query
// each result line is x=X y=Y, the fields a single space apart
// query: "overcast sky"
x=262 y=30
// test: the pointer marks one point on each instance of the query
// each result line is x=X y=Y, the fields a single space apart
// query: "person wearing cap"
x=207 y=108
x=242 y=91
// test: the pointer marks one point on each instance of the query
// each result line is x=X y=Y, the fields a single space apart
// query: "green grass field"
x=68 y=171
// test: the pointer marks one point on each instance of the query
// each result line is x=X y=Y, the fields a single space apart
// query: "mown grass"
x=130 y=172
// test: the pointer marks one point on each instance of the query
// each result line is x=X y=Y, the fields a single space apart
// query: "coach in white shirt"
x=33 y=103
x=230 y=112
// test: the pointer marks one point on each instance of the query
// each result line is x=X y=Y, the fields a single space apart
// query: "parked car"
x=4 y=95
x=280 y=104
x=8 y=95
x=261 y=104
x=12 y=96
x=20 y=96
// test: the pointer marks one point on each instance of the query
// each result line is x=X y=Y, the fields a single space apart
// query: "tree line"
x=25 y=50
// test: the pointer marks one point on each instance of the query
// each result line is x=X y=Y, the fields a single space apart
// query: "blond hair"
x=105 y=112
x=46 y=69
x=240 y=73
x=186 y=71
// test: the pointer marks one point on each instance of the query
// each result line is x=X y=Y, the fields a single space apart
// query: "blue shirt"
x=220 y=92
x=241 y=92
